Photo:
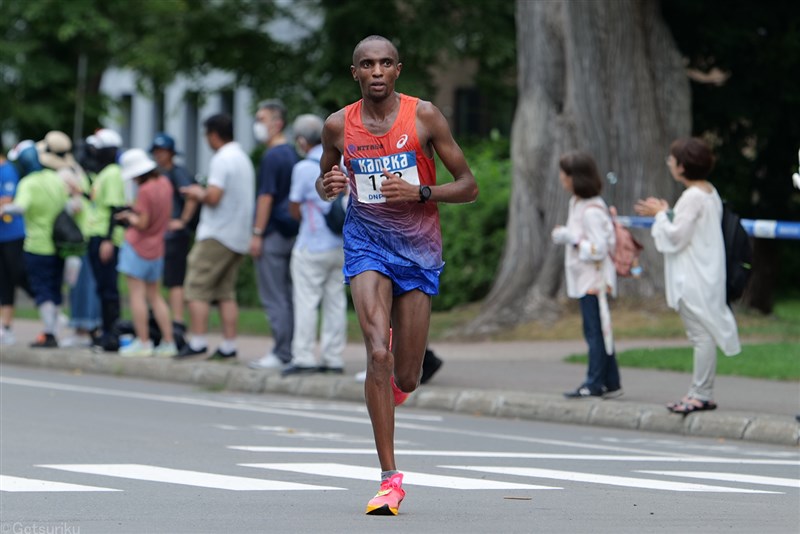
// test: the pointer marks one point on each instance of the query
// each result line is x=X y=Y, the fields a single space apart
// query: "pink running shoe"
x=387 y=500
x=400 y=396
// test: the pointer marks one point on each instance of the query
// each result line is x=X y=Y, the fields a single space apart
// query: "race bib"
x=369 y=174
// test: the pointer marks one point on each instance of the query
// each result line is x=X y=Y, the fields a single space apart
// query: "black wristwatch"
x=424 y=193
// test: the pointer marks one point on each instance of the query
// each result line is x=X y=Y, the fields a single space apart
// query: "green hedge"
x=246 y=288
x=473 y=234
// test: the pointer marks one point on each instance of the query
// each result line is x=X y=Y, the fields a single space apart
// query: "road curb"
x=765 y=428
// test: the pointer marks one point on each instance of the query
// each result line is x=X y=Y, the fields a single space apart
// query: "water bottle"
x=636 y=271
x=125 y=340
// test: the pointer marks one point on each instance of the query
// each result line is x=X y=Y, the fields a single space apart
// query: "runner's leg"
x=372 y=297
x=411 y=314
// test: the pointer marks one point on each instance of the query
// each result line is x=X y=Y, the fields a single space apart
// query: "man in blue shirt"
x=274 y=231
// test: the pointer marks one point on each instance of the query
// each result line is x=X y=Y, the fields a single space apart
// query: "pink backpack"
x=627 y=250
x=626 y=253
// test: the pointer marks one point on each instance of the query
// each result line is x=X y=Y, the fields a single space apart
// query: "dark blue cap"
x=163 y=140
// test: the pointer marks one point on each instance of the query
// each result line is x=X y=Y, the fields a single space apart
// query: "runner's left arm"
x=434 y=126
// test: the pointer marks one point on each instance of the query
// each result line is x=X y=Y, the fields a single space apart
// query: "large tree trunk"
x=760 y=292
x=603 y=77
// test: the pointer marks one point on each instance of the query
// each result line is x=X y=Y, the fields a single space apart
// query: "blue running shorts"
x=404 y=278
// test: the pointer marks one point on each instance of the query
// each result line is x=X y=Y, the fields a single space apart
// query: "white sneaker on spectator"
x=165 y=350
x=63 y=321
x=137 y=349
x=7 y=337
x=269 y=362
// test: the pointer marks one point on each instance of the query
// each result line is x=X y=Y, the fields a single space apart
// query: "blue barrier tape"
x=761 y=228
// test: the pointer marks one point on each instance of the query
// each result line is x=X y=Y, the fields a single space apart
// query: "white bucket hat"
x=135 y=162
x=104 y=138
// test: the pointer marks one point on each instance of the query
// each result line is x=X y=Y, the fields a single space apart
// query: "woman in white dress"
x=690 y=237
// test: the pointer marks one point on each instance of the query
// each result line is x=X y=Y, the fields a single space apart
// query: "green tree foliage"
x=43 y=39
x=427 y=34
x=474 y=234
x=754 y=113
x=752 y=116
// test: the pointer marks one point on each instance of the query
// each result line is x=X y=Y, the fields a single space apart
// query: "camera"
x=120 y=209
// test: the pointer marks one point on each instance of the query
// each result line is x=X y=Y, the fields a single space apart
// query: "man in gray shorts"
x=222 y=238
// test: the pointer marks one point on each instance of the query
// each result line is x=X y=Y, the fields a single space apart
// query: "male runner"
x=392 y=237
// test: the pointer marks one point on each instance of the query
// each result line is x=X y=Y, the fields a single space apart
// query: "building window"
x=191 y=127
x=468 y=112
x=126 y=118
x=158 y=112
x=226 y=101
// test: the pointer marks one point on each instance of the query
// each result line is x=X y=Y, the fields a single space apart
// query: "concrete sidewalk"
x=507 y=379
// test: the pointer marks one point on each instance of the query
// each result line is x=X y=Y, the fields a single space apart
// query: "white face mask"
x=260 y=131
x=298 y=147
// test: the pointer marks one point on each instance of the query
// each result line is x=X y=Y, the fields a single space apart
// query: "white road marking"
x=731 y=477
x=523 y=455
x=350 y=408
x=19 y=484
x=187 y=401
x=187 y=478
x=190 y=401
x=611 y=480
x=409 y=477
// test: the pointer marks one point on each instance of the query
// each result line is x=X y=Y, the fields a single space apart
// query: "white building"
x=179 y=111
x=186 y=103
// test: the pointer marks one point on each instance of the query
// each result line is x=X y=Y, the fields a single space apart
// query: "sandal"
x=692 y=405
x=673 y=405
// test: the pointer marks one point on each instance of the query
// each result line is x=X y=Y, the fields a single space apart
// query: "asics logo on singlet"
x=402 y=141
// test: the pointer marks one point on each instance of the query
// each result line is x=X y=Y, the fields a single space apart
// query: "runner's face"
x=376 y=69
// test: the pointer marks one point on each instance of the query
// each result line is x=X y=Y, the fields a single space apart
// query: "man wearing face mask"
x=274 y=231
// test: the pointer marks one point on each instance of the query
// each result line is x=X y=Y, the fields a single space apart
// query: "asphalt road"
x=99 y=454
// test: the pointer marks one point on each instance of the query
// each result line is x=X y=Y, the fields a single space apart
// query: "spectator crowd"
x=145 y=222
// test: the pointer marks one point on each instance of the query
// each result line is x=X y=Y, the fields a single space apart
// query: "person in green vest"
x=105 y=236
x=40 y=197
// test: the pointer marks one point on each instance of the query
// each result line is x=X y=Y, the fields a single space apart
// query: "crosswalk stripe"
x=731 y=477
x=19 y=484
x=612 y=480
x=409 y=477
x=522 y=455
x=188 y=478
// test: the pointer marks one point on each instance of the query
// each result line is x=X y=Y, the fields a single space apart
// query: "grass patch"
x=633 y=319
x=776 y=361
